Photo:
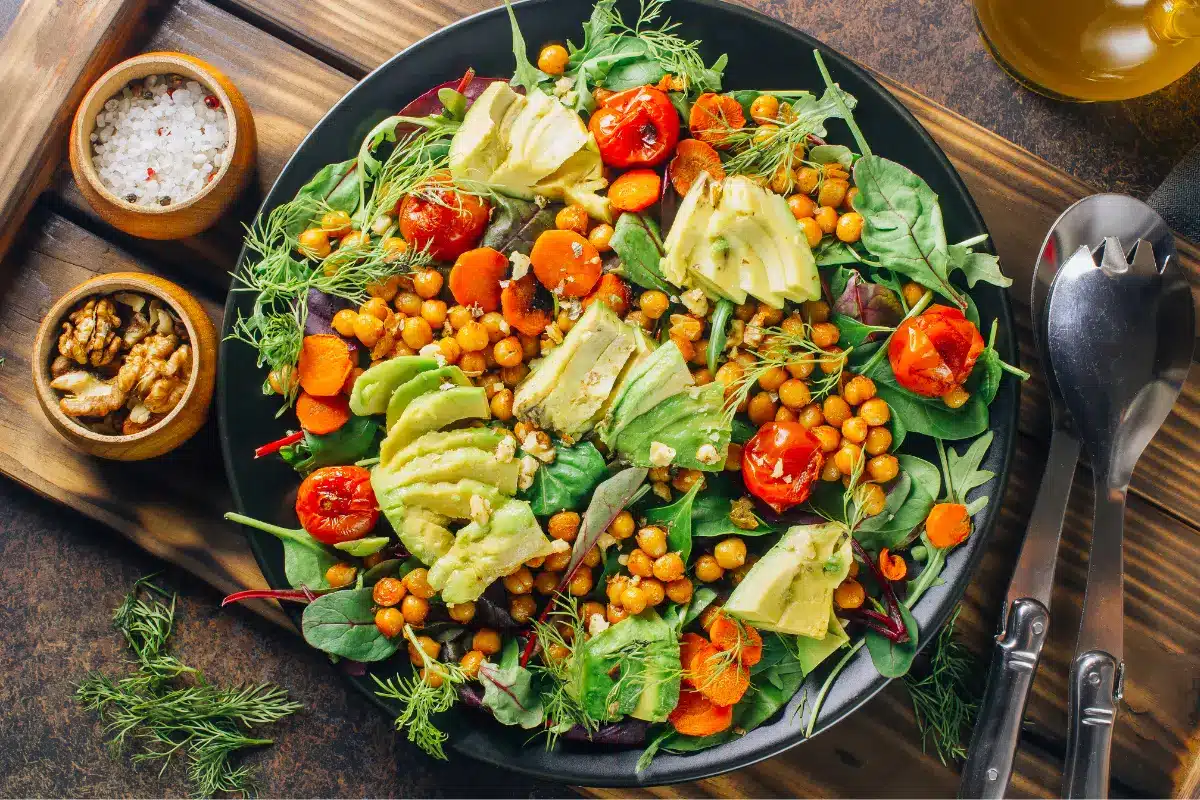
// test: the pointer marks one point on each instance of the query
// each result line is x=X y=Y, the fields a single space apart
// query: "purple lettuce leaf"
x=868 y=303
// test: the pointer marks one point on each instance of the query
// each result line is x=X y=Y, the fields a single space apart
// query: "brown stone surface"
x=64 y=574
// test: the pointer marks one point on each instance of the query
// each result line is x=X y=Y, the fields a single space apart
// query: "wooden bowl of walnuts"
x=124 y=365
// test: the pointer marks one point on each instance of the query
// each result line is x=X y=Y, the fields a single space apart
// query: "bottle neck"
x=1174 y=20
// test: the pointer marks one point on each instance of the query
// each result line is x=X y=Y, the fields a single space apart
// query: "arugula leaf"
x=305 y=560
x=343 y=623
x=509 y=692
x=526 y=74
x=965 y=474
x=719 y=332
x=893 y=660
x=349 y=443
x=677 y=519
x=565 y=483
x=977 y=267
x=833 y=252
x=637 y=243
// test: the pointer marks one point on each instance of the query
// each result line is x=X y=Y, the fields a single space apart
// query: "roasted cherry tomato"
x=337 y=504
x=449 y=226
x=934 y=352
x=636 y=128
x=780 y=464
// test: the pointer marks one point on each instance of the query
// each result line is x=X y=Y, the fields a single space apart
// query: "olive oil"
x=1093 y=49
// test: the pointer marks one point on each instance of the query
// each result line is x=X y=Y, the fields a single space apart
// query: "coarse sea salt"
x=160 y=141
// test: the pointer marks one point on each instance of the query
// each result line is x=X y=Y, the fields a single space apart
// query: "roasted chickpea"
x=471 y=662
x=340 y=575
x=801 y=206
x=785 y=414
x=878 y=441
x=679 y=591
x=601 y=237
x=622 y=526
x=810 y=416
x=355 y=240
x=654 y=303
x=434 y=312
x=855 y=430
x=522 y=608
x=858 y=390
x=826 y=219
x=875 y=411
x=772 y=379
x=592 y=557
x=640 y=564
x=849 y=227
x=846 y=457
x=472 y=337
x=343 y=322
x=836 y=410
x=572 y=218
x=450 y=350
x=557 y=562
x=832 y=193
x=388 y=592
x=702 y=376
x=794 y=394
x=415 y=609
x=459 y=316
x=912 y=292
x=417 y=582
x=829 y=437
x=616 y=585
x=956 y=397
x=833 y=360
x=427 y=283
x=764 y=109
x=652 y=540
x=564 y=525
x=707 y=569
x=513 y=375
x=872 y=498
x=802 y=368
x=825 y=334
x=546 y=582
x=654 y=590
x=552 y=60
x=389 y=621
x=590 y=609
x=614 y=613
x=417 y=333
x=502 y=405
x=668 y=567
x=738 y=574
x=763 y=134
x=461 y=612
x=849 y=595
x=408 y=304
x=816 y=311
x=830 y=472
x=729 y=374
x=761 y=409
x=730 y=553
x=581 y=583
x=848 y=203
x=883 y=468
x=335 y=223
x=394 y=247
x=428 y=646
x=314 y=243
x=519 y=582
x=497 y=328
x=812 y=231
x=807 y=179
x=368 y=329
x=633 y=600
x=486 y=641
x=507 y=351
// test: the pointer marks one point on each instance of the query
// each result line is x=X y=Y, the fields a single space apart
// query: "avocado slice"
x=643 y=346
x=660 y=375
x=482 y=554
x=689 y=231
x=452 y=500
x=421 y=531
x=609 y=682
x=685 y=422
x=476 y=149
x=811 y=652
x=431 y=412
x=449 y=466
x=418 y=385
x=374 y=388
x=790 y=589
x=543 y=136
x=578 y=180
x=802 y=283
x=441 y=441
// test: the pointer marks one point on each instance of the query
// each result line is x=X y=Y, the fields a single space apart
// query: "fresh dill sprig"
x=563 y=710
x=779 y=349
x=677 y=56
x=422 y=697
x=945 y=700
x=416 y=158
x=208 y=724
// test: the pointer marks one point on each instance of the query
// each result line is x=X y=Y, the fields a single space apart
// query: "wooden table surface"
x=292 y=61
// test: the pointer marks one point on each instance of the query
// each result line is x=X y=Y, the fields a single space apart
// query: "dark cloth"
x=1178 y=199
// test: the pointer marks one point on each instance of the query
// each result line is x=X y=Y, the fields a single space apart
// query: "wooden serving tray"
x=172 y=506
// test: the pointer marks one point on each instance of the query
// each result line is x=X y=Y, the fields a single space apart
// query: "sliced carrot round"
x=566 y=263
x=476 y=276
x=613 y=292
x=635 y=190
x=689 y=645
x=322 y=415
x=693 y=156
x=522 y=309
x=730 y=634
x=714 y=116
x=324 y=364
x=696 y=715
x=719 y=678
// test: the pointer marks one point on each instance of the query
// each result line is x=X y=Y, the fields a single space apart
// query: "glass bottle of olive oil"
x=1092 y=49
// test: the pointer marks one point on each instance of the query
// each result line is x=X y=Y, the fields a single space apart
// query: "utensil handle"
x=1010 y=677
x=1094 y=690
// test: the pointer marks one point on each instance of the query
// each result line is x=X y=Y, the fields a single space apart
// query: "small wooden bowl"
x=198 y=212
x=183 y=421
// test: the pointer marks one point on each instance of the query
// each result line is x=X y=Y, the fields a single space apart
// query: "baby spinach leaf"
x=893 y=660
x=516 y=224
x=832 y=154
x=526 y=74
x=710 y=511
x=565 y=483
x=908 y=503
x=929 y=415
x=392 y=568
x=719 y=332
x=771 y=691
x=741 y=431
x=636 y=241
x=509 y=692
x=334 y=188
x=853 y=332
x=640 y=72
x=677 y=519
x=352 y=442
x=702 y=598
x=305 y=560
x=343 y=623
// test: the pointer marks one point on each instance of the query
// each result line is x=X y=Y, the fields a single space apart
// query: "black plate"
x=763 y=53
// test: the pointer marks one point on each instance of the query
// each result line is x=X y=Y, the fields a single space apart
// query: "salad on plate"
x=608 y=383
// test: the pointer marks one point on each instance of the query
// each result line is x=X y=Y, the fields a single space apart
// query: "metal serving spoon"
x=1119 y=335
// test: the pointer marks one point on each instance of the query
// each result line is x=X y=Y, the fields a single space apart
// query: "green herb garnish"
x=946 y=699
x=421 y=699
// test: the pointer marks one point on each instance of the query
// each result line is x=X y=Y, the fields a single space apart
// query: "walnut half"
x=89 y=336
x=87 y=395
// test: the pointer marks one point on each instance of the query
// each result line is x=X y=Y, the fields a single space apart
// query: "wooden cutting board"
x=172 y=506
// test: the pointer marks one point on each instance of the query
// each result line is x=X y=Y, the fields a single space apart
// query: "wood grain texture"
x=52 y=53
x=1017 y=193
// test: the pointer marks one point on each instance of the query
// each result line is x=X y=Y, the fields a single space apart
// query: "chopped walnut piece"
x=136 y=329
x=88 y=396
x=742 y=514
x=89 y=335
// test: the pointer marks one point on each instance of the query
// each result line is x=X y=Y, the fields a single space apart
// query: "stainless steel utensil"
x=1119 y=336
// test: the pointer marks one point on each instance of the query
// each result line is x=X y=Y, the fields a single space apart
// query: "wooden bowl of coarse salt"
x=161 y=145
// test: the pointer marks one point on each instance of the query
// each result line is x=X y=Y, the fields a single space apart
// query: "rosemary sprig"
x=208 y=724
x=422 y=699
x=945 y=700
